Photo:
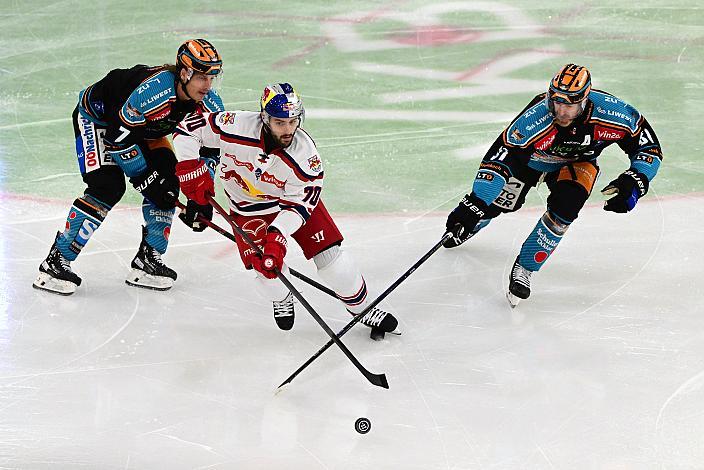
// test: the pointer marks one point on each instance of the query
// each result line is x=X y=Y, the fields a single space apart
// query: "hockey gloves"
x=160 y=190
x=463 y=220
x=196 y=182
x=630 y=186
x=193 y=212
x=273 y=253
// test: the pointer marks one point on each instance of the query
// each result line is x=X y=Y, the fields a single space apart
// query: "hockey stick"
x=376 y=379
x=357 y=318
x=230 y=236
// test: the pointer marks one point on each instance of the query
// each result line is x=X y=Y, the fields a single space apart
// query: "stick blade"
x=379 y=380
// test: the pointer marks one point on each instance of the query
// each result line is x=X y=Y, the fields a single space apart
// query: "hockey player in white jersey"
x=273 y=178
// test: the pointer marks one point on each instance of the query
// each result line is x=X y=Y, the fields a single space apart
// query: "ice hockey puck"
x=362 y=425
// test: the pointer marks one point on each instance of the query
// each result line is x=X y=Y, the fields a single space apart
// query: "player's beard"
x=284 y=140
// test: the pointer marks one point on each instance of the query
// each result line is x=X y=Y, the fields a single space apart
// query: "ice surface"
x=601 y=368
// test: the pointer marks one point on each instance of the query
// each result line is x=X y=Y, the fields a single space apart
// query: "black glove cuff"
x=475 y=205
x=641 y=181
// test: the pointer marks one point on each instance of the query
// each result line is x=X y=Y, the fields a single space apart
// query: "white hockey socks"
x=339 y=271
x=272 y=289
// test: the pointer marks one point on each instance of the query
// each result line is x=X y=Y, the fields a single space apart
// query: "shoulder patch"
x=528 y=126
x=315 y=164
x=226 y=118
x=132 y=111
x=614 y=112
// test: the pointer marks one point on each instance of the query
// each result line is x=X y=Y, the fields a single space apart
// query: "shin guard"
x=158 y=224
x=542 y=241
x=84 y=218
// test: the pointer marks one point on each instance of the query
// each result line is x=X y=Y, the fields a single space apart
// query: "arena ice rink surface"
x=602 y=368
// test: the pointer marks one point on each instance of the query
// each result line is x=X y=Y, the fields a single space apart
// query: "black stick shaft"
x=371 y=306
x=376 y=379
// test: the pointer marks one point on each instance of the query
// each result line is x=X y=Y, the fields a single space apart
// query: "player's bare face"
x=566 y=113
x=282 y=130
x=199 y=85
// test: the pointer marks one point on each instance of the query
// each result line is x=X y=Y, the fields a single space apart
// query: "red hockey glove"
x=272 y=259
x=196 y=183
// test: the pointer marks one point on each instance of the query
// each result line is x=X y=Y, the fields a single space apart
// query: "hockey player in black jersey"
x=557 y=139
x=121 y=123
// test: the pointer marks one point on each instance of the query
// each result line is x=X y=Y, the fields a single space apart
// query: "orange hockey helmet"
x=200 y=56
x=571 y=85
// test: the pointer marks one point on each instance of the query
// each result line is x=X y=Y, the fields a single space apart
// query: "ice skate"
x=148 y=270
x=55 y=274
x=380 y=322
x=284 y=313
x=518 y=284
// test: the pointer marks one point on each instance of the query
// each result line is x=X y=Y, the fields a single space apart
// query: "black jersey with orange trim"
x=139 y=103
x=534 y=139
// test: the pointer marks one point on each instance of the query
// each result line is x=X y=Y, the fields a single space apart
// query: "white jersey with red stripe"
x=287 y=180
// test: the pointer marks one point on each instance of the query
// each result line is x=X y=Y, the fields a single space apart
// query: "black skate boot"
x=55 y=273
x=284 y=312
x=148 y=270
x=380 y=322
x=518 y=284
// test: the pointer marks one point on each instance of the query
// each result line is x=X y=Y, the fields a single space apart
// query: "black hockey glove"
x=630 y=186
x=463 y=219
x=193 y=212
x=161 y=190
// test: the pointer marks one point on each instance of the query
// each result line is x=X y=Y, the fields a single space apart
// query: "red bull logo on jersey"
x=315 y=163
x=227 y=118
x=604 y=133
x=247 y=165
x=228 y=175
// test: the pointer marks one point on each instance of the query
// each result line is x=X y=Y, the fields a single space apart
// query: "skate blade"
x=56 y=286
x=512 y=299
x=138 y=278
